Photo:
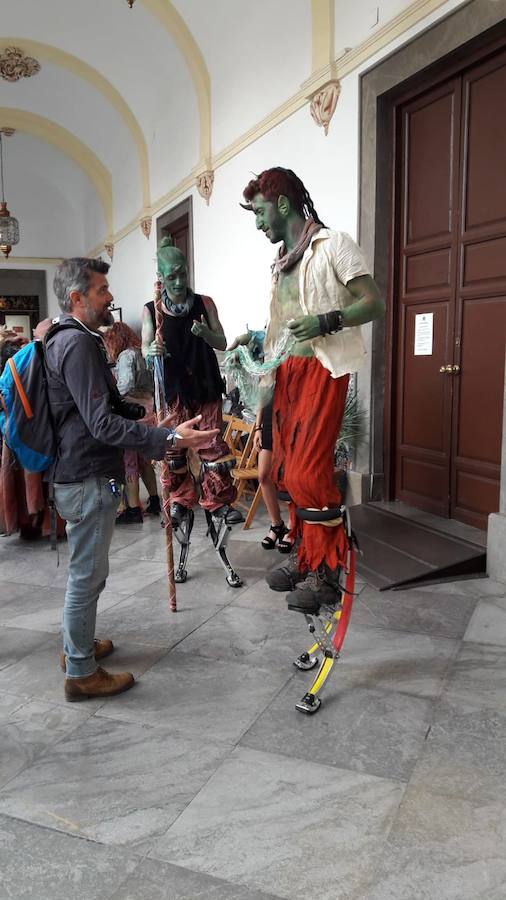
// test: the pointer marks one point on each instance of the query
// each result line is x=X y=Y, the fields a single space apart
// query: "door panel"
x=429 y=161
x=429 y=178
x=451 y=261
x=481 y=297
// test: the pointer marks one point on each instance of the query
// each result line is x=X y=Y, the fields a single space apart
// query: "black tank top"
x=190 y=366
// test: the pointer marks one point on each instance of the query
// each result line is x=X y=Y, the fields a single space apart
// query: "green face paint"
x=269 y=219
x=174 y=271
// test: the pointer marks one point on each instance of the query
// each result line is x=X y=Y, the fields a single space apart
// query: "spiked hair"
x=277 y=182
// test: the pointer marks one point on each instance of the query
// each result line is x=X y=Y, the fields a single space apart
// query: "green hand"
x=305 y=328
x=200 y=329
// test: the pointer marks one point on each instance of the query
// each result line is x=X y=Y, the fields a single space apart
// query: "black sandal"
x=285 y=546
x=279 y=530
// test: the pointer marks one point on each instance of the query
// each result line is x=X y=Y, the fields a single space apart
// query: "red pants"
x=307 y=415
x=217 y=488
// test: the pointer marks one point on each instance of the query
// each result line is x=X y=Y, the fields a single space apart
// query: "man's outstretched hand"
x=240 y=340
x=189 y=436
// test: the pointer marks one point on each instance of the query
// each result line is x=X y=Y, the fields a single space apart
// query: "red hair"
x=120 y=337
x=277 y=182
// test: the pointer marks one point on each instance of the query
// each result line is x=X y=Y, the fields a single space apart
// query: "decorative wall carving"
x=205 y=182
x=109 y=249
x=146 y=223
x=323 y=104
x=14 y=64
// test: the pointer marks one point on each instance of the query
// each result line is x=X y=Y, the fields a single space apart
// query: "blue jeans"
x=90 y=510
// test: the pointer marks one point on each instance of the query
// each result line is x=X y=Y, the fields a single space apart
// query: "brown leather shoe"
x=100 y=684
x=102 y=649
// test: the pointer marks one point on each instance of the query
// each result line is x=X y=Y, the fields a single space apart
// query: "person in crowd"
x=192 y=332
x=322 y=292
x=134 y=383
x=92 y=429
x=23 y=495
x=278 y=532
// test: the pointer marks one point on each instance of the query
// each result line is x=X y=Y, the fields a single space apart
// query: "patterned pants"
x=216 y=488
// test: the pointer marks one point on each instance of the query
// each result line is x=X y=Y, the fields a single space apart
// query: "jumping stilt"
x=329 y=624
x=219 y=532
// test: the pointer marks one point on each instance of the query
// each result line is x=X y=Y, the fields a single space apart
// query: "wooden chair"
x=239 y=437
x=234 y=435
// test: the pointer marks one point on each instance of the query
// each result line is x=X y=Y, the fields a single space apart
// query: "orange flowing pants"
x=308 y=411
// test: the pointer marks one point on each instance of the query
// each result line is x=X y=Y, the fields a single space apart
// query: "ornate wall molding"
x=14 y=64
x=323 y=104
x=205 y=182
x=145 y=224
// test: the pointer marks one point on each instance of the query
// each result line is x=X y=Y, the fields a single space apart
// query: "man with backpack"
x=92 y=427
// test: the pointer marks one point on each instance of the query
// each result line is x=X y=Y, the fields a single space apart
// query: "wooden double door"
x=449 y=293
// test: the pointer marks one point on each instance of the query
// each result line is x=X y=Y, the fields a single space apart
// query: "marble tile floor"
x=204 y=783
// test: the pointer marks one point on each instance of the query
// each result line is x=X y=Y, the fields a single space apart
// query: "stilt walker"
x=161 y=412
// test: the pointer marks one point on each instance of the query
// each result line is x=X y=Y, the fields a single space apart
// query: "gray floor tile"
x=10 y=590
x=153 y=546
x=394 y=660
x=251 y=636
x=200 y=696
x=148 y=620
x=205 y=585
x=464 y=755
x=29 y=729
x=40 y=864
x=488 y=622
x=259 y=596
x=129 y=785
x=129 y=575
x=17 y=643
x=41 y=609
x=9 y=703
x=435 y=611
x=443 y=848
x=246 y=555
x=268 y=822
x=154 y=880
x=477 y=678
x=37 y=569
x=371 y=731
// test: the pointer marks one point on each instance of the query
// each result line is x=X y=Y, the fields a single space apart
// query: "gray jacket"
x=82 y=395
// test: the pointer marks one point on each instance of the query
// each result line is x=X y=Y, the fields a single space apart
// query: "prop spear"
x=161 y=411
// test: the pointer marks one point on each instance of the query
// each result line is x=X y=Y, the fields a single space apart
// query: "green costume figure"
x=191 y=333
x=322 y=291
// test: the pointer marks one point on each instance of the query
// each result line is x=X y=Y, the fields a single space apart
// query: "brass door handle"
x=446 y=370
x=455 y=370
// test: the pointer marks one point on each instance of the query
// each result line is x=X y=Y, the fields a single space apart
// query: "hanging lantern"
x=9 y=226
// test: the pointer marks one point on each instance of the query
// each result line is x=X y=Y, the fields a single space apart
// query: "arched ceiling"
x=140 y=99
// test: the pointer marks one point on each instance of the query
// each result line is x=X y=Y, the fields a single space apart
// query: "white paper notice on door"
x=424 y=328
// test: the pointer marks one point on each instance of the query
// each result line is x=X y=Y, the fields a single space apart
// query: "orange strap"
x=22 y=396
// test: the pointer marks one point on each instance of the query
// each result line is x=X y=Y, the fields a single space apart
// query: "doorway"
x=177 y=224
x=448 y=292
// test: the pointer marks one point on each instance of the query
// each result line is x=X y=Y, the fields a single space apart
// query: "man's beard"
x=95 y=319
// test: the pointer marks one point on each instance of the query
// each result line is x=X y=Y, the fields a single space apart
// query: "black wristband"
x=331 y=322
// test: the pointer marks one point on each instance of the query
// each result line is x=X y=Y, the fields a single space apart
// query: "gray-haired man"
x=91 y=433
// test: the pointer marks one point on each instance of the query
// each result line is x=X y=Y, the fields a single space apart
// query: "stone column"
x=496 y=539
